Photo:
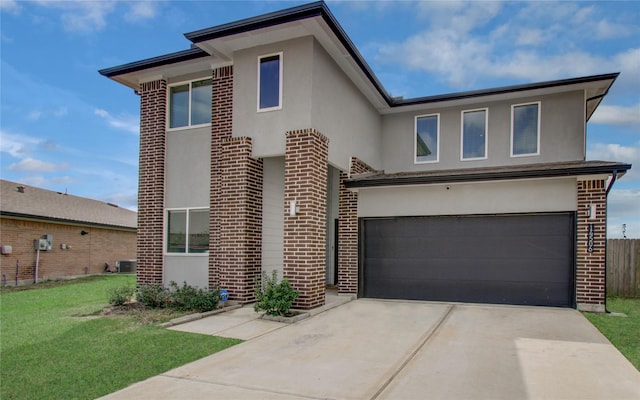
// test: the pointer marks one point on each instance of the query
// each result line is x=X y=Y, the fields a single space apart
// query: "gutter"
x=613 y=180
x=606 y=246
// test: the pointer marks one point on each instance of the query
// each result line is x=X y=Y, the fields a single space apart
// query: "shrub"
x=153 y=296
x=187 y=297
x=120 y=295
x=273 y=297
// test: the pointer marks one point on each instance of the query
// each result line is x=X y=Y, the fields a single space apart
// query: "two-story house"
x=270 y=144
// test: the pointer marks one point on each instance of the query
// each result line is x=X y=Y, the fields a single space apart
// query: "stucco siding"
x=343 y=114
x=190 y=269
x=267 y=128
x=562 y=136
x=273 y=215
x=188 y=168
x=523 y=196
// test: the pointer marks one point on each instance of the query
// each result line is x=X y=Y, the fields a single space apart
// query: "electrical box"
x=41 y=244
x=6 y=250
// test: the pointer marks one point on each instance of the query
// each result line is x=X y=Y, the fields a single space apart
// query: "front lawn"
x=54 y=344
x=623 y=332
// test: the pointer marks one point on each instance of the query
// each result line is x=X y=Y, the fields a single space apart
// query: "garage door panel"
x=514 y=259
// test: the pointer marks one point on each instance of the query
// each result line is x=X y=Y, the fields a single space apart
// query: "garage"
x=523 y=259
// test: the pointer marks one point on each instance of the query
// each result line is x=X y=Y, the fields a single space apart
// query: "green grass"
x=622 y=332
x=48 y=351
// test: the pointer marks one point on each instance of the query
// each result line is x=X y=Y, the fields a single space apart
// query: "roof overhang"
x=530 y=171
x=64 y=221
x=215 y=46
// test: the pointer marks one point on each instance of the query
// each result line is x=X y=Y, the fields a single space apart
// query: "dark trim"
x=456 y=176
x=38 y=218
x=185 y=55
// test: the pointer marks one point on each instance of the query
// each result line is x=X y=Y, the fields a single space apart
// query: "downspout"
x=614 y=175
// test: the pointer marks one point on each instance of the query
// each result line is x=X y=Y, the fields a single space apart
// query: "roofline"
x=32 y=217
x=542 y=172
x=171 y=58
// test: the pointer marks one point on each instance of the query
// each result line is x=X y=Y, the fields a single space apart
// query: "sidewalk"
x=244 y=323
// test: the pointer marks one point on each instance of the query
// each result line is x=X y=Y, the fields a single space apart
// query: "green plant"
x=187 y=297
x=273 y=297
x=154 y=295
x=120 y=295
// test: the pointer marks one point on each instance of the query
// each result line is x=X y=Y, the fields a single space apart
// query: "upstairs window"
x=188 y=231
x=190 y=104
x=427 y=140
x=270 y=82
x=474 y=134
x=525 y=129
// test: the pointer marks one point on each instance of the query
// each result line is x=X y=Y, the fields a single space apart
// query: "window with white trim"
x=188 y=231
x=190 y=104
x=474 y=134
x=427 y=138
x=270 y=82
x=525 y=129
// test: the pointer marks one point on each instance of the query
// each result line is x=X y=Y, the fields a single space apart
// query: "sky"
x=65 y=127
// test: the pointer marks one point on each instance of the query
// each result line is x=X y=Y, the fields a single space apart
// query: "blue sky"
x=65 y=127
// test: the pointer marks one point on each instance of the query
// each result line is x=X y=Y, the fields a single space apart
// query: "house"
x=270 y=144
x=52 y=235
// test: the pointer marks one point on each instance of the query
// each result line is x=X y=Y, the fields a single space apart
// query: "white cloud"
x=607 y=30
x=623 y=208
x=10 y=6
x=617 y=115
x=127 y=123
x=613 y=151
x=40 y=181
x=17 y=145
x=33 y=165
x=141 y=10
x=531 y=37
x=34 y=115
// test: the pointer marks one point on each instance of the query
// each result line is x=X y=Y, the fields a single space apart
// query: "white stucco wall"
x=188 y=168
x=543 y=195
x=561 y=135
x=273 y=216
x=190 y=268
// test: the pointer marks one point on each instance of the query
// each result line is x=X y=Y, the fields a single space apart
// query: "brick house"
x=79 y=235
x=270 y=144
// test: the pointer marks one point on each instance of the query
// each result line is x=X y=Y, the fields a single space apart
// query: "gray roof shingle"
x=38 y=203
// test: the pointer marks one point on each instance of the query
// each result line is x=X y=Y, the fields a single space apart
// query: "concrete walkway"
x=370 y=349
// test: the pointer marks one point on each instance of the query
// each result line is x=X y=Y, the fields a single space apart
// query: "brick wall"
x=153 y=111
x=84 y=254
x=306 y=167
x=240 y=212
x=221 y=129
x=348 y=230
x=591 y=254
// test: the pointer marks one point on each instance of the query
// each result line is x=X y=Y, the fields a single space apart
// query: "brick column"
x=591 y=251
x=305 y=181
x=240 y=208
x=221 y=129
x=153 y=114
x=348 y=230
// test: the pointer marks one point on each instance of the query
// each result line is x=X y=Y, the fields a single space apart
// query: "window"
x=474 y=134
x=427 y=138
x=270 y=82
x=525 y=129
x=190 y=104
x=188 y=231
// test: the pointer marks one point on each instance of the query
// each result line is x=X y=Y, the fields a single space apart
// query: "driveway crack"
x=413 y=354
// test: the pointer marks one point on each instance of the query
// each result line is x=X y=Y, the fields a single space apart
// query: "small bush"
x=273 y=297
x=153 y=296
x=120 y=295
x=185 y=298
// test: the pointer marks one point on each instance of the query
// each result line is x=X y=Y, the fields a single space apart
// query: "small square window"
x=525 y=129
x=427 y=137
x=188 y=231
x=270 y=82
x=190 y=104
x=474 y=134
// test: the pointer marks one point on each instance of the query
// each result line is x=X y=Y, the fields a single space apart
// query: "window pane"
x=177 y=230
x=270 y=82
x=198 y=231
x=525 y=129
x=427 y=138
x=474 y=134
x=201 y=102
x=178 y=106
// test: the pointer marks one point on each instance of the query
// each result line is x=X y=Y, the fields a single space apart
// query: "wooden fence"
x=623 y=263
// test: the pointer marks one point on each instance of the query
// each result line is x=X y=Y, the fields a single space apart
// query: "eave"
x=64 y=221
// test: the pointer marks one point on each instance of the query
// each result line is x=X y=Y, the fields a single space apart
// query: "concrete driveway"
x=373 y=349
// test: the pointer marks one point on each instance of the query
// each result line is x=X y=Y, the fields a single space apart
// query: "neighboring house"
x=270 y=144
x=79 y=236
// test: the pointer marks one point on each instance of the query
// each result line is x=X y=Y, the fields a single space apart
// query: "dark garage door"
x=505 y=259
